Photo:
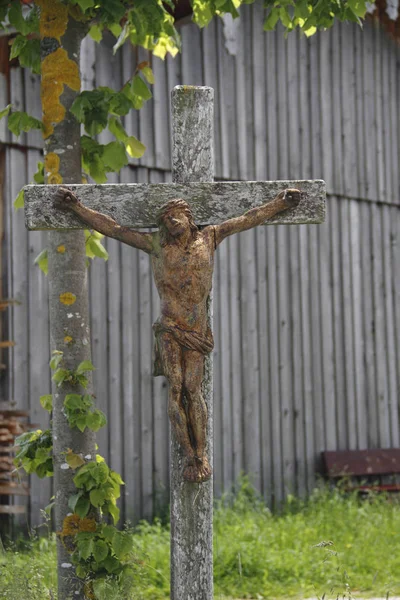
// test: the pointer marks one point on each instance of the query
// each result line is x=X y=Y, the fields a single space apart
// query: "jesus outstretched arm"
x=257 y=216
x=66 y=200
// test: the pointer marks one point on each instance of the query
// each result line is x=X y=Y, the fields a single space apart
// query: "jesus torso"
x=183 y=276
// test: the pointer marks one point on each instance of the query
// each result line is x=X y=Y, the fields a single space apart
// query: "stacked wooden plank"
x=12 y=424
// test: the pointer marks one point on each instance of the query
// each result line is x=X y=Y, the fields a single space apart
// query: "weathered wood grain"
x=135 y=205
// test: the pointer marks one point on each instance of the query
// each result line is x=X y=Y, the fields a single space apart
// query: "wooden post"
x=192 y=504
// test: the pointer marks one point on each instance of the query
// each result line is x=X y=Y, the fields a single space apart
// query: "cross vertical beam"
x=192 y=504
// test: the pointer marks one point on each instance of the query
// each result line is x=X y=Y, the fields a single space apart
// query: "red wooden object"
x=364 y=463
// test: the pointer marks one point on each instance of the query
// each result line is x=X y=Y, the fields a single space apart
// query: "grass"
x=332 y=543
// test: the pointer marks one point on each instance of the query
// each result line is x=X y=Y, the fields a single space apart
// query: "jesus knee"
x=175 y=388
x=193 y=389
x=176 y=412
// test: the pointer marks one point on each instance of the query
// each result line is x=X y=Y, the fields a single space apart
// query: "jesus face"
x=176 y=222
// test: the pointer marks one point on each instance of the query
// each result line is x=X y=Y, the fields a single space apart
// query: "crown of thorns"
x=172 y=205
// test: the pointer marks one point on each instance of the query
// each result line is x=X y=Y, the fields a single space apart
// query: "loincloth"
x=188 y=340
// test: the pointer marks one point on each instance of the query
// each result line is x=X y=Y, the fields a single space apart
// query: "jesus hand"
x=291 y=197
x=65 y=199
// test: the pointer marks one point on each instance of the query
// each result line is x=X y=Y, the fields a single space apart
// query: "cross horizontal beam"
x=136 y=204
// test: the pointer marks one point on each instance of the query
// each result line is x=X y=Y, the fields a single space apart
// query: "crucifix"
x=193 y=216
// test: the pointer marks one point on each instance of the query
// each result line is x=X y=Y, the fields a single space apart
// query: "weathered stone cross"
x=182 y=259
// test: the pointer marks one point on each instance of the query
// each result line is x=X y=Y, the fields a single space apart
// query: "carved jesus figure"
x=182 y=258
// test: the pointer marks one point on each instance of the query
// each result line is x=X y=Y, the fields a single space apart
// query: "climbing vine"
x=103 y=555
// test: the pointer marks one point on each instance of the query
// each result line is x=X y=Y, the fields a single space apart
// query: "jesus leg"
x=171 y=354
x=197 y=413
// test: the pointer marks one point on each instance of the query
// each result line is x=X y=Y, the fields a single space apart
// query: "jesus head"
x=174 y=219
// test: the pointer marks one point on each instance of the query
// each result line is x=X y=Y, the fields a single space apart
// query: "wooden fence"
x=307 y=319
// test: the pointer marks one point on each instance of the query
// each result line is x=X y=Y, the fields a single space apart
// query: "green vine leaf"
x=93 y=245
x=23 y=24
x=74 y=460
x=84 y=4
x=38 y=177
x=20 y=121
x=96 y=420
x=5 y=112
x=61 y=375
x=27 y=51
x=122 y=545
x=80 y=413
x=114 y=156
x=114 y=512
x=96 y=33
x=97 y=497
x=72 y=501
x=20 y=200
x=47 y=402
x=100 y=550
x=85 y=366
x=85 y=547
x=140 y=88
x=35 y=453
x=133 y=146
x=55 y=360
x=82 y=506
x=97 y=249
x=148 y=73
x=75 y=401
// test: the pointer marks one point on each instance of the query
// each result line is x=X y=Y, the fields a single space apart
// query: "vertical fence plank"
x=347 y=105
x=391 y=271
x=378 y=115
x=356 y=317
x=368 y=326
x=382 y=391
x=250 y=358
x=369 y=89
x=112 y=298
x=131 y=376
x=217 y=380
x=360 y=134
x=161 y=122
x=259 y=93
x=271 y=101
x=336 y=114
x=348 y=341
x=235 y=356
x=264 y=359
x=160 y=413
x=211 y=70
x=242 y=107
x=145 y=334
x=395 y=257
x=274 y=391
x=146 y=120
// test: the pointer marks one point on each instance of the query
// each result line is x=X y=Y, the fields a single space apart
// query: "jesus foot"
x=197 y=469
